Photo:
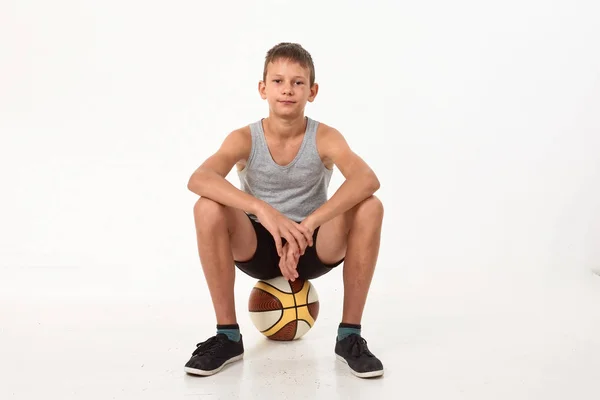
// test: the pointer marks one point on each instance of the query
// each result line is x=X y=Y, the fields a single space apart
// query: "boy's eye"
x=297 y=82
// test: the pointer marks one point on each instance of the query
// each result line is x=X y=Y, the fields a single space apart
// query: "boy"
x=280 y=222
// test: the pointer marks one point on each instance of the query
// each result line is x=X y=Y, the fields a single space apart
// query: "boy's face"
x=287 y=88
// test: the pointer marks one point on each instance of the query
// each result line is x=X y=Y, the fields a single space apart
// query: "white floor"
x=470 y=335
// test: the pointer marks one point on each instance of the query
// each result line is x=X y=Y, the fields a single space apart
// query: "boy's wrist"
x=310 y=222
x=256 y=206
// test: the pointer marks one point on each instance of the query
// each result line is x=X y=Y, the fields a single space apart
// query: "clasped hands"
x=298 y=237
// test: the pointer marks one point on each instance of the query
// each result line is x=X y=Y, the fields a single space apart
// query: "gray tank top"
x=296 y=189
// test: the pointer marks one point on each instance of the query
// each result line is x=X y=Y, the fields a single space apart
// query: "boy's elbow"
x=367 y=182
x=195 y=182
x=191 y=184
x=376 y=186
x=374 y=183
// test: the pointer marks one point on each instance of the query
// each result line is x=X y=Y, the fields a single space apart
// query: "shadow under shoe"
x=353 y=350
x=213 y=354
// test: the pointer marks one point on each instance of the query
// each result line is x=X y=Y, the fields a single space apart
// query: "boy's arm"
x=209 y=179
x=361 y=182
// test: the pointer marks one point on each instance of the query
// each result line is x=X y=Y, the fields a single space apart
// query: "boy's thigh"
x=263 y=262
x=242 y=237
x=331 y=243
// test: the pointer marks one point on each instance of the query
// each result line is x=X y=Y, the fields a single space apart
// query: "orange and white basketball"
x=283 y=310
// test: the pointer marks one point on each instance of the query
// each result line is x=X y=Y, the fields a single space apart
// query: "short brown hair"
x=293 y=52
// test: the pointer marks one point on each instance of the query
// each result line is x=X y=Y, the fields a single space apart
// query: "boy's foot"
x=353 y=351
x=213 y=354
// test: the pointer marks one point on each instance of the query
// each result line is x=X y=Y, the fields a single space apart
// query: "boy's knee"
x=208 y=213
x=370 y=208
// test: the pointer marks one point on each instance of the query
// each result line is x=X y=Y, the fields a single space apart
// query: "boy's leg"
x=223 y=234
x=355 y=235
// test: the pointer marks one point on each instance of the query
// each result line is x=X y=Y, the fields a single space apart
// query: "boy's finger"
x=292 y=243
x=278 y=245
x=306 y=234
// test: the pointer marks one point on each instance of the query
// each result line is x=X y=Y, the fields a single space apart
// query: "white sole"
x=371 y=374
x=201 y=372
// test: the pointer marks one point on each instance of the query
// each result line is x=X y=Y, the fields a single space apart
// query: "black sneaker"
x=353 y=351
x=212 y=355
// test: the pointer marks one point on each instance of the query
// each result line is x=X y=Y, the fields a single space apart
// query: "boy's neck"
x=284 y=128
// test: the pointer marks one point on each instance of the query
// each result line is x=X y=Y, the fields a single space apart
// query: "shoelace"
x=358 y=347
x=210 y=346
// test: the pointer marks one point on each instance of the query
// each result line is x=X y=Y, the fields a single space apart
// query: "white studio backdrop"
x=481 y=120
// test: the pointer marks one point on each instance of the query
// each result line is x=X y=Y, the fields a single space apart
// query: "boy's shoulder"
x=242 y=131
x=327 y=136
x=333 y=147
x=325 y=129
x=237 y=143
x=241 y=135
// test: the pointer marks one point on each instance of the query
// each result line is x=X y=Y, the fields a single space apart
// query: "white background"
x=481 y=119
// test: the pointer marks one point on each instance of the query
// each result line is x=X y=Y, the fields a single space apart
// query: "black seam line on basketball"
x=296 y=307
x=284 y=308
x=276 y=322
x=281 y=316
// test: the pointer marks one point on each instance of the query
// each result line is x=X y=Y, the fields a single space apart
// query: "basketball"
x=283 y=310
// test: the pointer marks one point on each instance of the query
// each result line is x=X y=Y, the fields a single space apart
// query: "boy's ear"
x=313 y=92
x=262 y=90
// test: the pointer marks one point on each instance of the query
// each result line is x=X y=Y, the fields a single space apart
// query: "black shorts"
x=264 y=264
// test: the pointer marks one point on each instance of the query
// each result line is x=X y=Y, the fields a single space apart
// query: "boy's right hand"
x=298 y=236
